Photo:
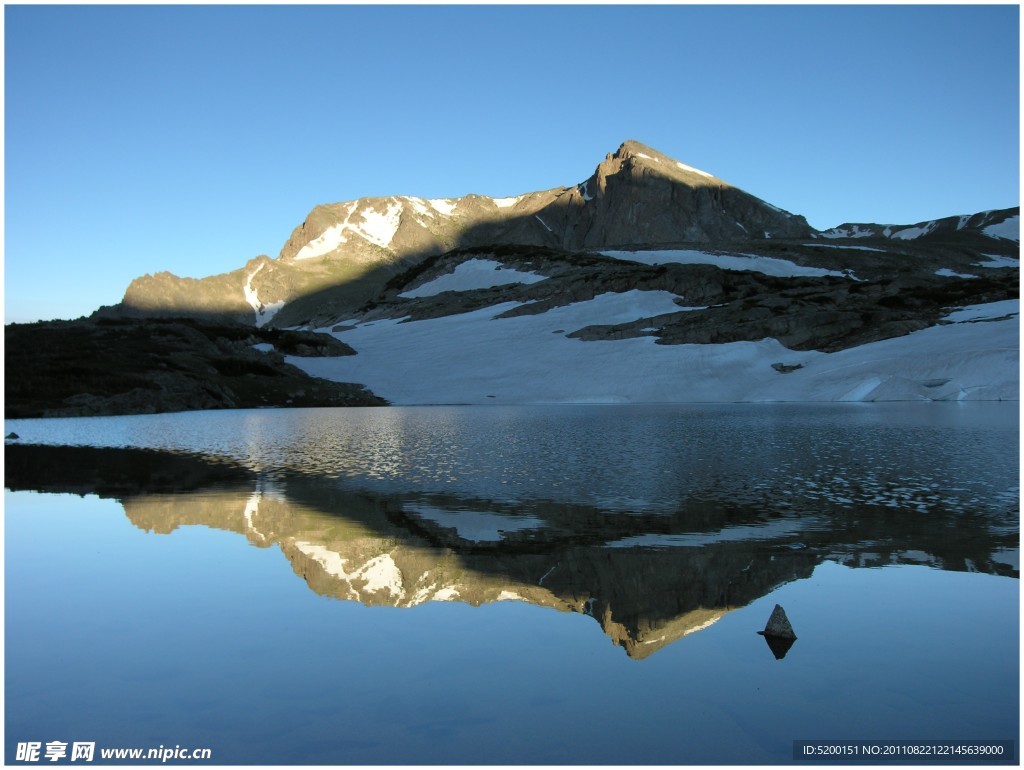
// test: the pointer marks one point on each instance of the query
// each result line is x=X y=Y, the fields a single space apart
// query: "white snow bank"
x=996 y=260
x=1008 y=229
x=477 y=359
x=910 y=233
x=691 y=169
x=782 y=268
x=473 y=274
x=987 y=310
x=504 y=203
x=945 y=272
x=958 y=361
x=444 y=205
x=843 y=246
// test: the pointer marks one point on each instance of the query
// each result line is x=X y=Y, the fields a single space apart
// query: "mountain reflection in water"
x=647 y=577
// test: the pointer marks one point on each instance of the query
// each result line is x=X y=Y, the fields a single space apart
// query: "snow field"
x=475 y=358
x=781 y=268
x=473 y=274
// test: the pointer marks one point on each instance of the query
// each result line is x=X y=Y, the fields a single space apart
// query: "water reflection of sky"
x=492 y=562
x=124 y=637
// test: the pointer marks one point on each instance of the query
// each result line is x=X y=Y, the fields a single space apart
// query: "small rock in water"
x=12 y=435
x=778 y=625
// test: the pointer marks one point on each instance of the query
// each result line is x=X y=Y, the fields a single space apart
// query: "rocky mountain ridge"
x=649 y=281
x=341 y=255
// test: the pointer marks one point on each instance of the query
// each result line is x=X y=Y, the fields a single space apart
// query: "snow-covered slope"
x=477 y=358
x=1000 y=224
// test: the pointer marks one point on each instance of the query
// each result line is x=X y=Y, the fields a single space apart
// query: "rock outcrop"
x=131 y=366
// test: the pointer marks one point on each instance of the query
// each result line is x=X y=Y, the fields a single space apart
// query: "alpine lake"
x=566 y=584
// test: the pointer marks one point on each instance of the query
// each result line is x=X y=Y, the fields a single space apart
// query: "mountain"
x=344 y=253
x=650 y=281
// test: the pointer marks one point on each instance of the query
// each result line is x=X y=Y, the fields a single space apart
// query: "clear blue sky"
x=191 y=139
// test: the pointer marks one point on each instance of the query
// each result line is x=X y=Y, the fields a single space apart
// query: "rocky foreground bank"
x=86 y=367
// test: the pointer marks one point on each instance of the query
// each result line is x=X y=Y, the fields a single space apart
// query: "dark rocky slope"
x=131 y=366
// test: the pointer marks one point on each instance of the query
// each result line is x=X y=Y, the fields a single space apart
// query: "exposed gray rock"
x=778 y=625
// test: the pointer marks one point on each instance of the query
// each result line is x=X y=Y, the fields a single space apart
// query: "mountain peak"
x=631 y=148
x=659 y=162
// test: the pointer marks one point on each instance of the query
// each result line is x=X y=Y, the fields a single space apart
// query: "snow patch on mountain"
x=504 y=203
x=781 y=268
x=473 y=274
x=263 y=312
x=842 y=246
x=693 y=170
x=376 y=227
x=380 y=228
x=910 y=233
x=1008 y=229
x=852 y=232
x=444 y=205
x=329 y=240
x=419 y=205
x=945 y=272
x=997 y=260
x=985 y=311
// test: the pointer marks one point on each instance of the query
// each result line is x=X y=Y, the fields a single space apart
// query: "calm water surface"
x=513 y=585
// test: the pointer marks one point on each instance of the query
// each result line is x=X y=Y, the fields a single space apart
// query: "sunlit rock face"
x=344 y=253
